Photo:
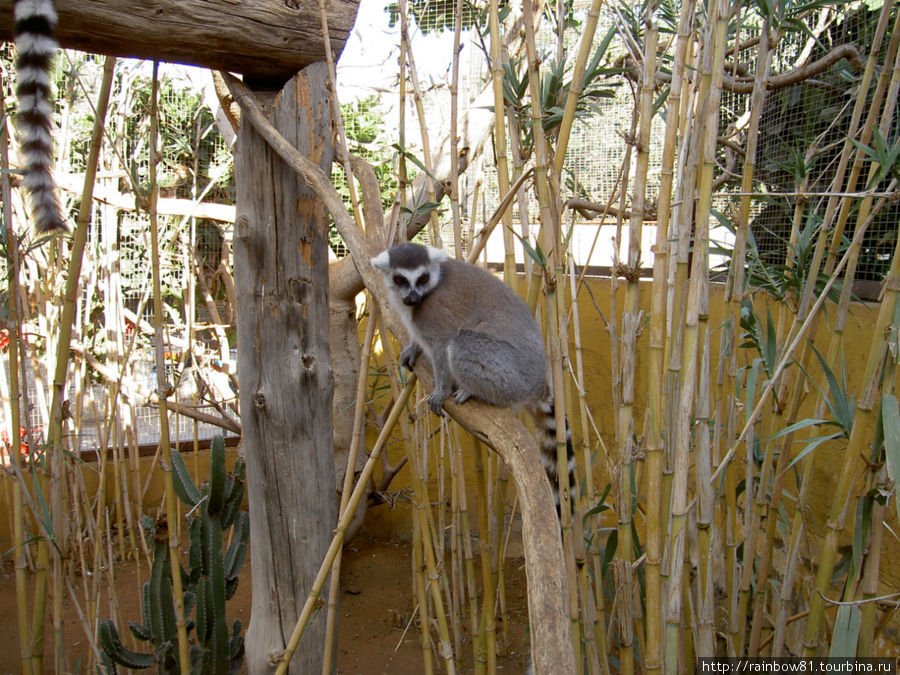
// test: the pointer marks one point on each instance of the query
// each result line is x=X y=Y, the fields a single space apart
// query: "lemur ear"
x=436 y=255
x=382 y=261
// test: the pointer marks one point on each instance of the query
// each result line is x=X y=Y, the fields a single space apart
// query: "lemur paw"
x=461 y=396
x=436 y=403
x=409 y=355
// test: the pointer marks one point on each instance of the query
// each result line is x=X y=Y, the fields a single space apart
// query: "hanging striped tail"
x=35 y=23
x=545 y=422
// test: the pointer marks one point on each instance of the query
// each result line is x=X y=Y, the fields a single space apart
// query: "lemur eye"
x=423 y=280
x=400 y=280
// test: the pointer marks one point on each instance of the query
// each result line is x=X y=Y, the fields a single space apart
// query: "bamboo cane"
x=808 y=462
x=693 y=341
x=171 y=505
x=435 y=575
x=337 y=118
x=500 y=144
x=735 y=293
x=575 y=89
x=356 y=439
x=862 y=431
x=422 y=597
x=656 y=353
x=406 y=56
x=15 y=440
x=550 y=238
x=358 y=491
x=454 y=131
x=860 y=105
x=863 y=410
x=872 y=564
x=706 y=525
x=463 y=510
x=67 y=318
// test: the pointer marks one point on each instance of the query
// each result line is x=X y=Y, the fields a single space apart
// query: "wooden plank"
x=265 y=40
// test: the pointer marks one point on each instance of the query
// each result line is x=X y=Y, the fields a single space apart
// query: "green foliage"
x=597 y=84
x=208 y=584
x=890 y=420
x=432 y=16
x=366 y=138
x=189 y=156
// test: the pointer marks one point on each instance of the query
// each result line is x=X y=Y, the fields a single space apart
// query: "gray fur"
x=480 y=337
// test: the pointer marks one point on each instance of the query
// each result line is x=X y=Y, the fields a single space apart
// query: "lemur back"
x=479 y=336
x=35 y=23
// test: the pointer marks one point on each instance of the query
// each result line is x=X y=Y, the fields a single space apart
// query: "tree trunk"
x=281 y=275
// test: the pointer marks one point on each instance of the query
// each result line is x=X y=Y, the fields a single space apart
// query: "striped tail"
x=35 y=22
x=545 y=423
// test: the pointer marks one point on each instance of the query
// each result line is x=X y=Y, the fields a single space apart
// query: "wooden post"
x=281 y=277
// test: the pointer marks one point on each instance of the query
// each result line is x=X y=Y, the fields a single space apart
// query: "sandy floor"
x=375 y=634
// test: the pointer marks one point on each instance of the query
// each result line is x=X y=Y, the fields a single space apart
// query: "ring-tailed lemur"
x=480 y=337
x=35 y=24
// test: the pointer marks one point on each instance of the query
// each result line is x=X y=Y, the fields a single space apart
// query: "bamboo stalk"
x=356 y=440
x=859 y=105
x=14 y=355
x=337 y=118
x=694 y=340
x=407 y=56
x=655 y=522
x=632 y=316
x=55 y=438
x=863 y=412
x=488 y=626
x=735 y=293
x=551 y=242
x=462 y=508
x=706 y=525
x=171 y=504
x=576 y=88
x=422 y=597
x=862 y=431
x=798 y=527
x=422 y=512
x=596 y=599
x=549 y=230
x=501 y=161
x=454 y=131
x=358 y=492
x=872 y=564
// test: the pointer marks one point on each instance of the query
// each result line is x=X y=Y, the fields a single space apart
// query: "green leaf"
x=839 y=403
x=536 y=254
x=796 y=426
x=415 y=160
x=890 y=416
x=811 y=445
x=846 y=632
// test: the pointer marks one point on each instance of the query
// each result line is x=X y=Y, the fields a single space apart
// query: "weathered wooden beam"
x=281 y=278
x=267 y=41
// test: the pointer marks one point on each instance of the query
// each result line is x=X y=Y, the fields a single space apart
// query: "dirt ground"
x=375 y=635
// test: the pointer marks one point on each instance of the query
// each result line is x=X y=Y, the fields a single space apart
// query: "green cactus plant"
x=211 y=580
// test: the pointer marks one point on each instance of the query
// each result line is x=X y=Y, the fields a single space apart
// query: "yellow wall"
x=90 y=471
x=596 y=309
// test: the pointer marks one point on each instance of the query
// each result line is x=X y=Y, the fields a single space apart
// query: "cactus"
x=208 y=583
